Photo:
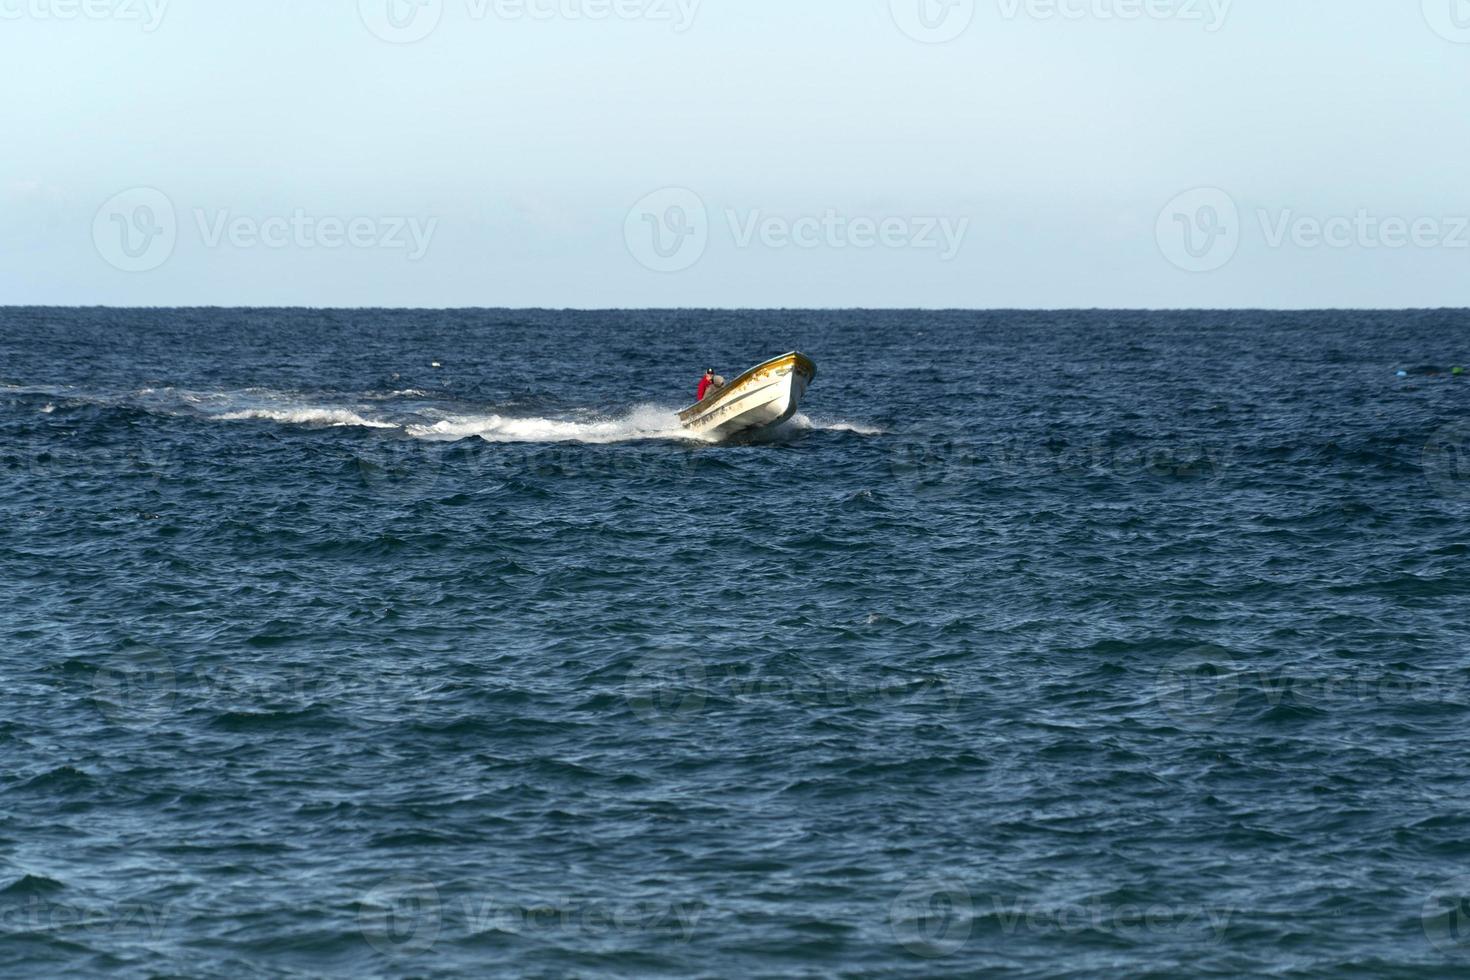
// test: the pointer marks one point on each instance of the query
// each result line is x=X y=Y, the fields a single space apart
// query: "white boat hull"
x=766 y=395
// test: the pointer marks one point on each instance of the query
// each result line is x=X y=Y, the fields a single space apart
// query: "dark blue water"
x=1041 y=644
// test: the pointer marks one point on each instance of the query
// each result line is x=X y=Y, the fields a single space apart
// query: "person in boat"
x=709 y=384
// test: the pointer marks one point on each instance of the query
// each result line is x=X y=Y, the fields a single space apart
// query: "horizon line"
x=760 y=309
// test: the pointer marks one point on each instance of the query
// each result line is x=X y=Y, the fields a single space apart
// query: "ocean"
x=1040 y=644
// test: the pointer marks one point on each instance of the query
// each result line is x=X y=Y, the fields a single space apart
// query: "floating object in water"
x=436 y=364
x=1401 y=374
x=766 y=395
x=1457 y=370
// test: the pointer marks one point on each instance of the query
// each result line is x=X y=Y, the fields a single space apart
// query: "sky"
x=736 y=153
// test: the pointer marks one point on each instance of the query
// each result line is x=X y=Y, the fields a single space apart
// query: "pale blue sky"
x=515 y=146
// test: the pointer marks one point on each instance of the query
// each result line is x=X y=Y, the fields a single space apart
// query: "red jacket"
x=704 y=384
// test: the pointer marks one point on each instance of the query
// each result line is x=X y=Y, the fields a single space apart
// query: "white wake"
x=418 y=417
x=641 y=422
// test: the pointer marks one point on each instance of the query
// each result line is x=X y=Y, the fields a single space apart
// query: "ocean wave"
x=841 y=425
x=800 y=422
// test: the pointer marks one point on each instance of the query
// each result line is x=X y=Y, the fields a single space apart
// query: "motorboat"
x=766 y=395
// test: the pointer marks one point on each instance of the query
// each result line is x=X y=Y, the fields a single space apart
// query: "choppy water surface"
x=1038 y=645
